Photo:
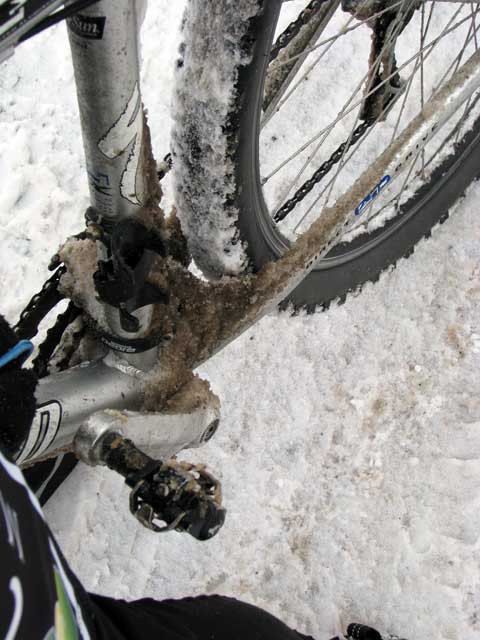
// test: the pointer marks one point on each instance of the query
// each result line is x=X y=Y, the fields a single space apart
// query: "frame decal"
x=43 y=431
x=11 y=13
x=126 y=133
x=88 y=27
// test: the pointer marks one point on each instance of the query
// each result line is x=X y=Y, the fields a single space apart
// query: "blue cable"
x=21 y=350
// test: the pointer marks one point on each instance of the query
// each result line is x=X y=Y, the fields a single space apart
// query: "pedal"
x=357 y=631
x=166 y=495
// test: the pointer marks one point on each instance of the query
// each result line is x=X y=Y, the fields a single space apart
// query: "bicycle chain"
x=283 y=41
x=53 y=339
x=38 y=307
x=33 y=314
x=294 y=27
x=322 y=171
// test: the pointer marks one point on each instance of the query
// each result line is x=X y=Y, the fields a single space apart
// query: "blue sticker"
x=372 y=195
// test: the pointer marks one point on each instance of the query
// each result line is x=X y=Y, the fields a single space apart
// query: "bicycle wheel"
x=241 y=162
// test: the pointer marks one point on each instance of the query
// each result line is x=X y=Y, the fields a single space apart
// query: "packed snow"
x=349 y=448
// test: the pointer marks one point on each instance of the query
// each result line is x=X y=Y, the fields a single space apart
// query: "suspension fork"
x=104 y=41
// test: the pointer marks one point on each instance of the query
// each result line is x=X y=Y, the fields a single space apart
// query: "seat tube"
x=104 y=45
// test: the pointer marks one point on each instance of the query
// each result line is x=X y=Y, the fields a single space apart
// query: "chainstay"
x=322 y=171
x=294 y=27
x=283 y=41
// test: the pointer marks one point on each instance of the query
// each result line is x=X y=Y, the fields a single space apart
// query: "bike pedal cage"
x=356 y=631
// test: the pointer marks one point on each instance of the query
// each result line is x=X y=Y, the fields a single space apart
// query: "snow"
x=349 y=447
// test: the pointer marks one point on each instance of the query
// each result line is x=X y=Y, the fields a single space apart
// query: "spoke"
x=456 y=62
x=319 y=197
x=295 y=180
x=458 y=128
x=267 y=119
x=404 y=101
x=422 y=84
x=372 y=71
x=327 y=129
x=409 y=83
x=464 y=114
x=328 y=185
x=365 y=223
x=471 y=35
x=342 y=32
x=467 y=106
x=393 y=36
x=304 y=75
x=407 y=177
x=396 y=198
x=330 y=41
x=394 y=201
x=428 y=47
x=474 y=16
x=323 y=138
x=287 y=74
x=474 y=99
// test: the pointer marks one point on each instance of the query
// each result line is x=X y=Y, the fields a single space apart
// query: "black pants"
x=202 y=618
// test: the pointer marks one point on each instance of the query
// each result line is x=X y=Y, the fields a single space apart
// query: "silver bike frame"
x=105 y=59
x=104 y=42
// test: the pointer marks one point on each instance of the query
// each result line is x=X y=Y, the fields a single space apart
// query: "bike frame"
x=119 y=389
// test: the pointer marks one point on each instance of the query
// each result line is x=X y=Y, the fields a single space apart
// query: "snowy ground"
x=350 y=445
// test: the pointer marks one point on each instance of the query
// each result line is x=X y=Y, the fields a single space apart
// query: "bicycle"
x=143 y=264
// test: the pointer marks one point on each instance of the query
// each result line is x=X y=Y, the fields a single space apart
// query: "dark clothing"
x=17 y=408
x=17 y=400
x=45 y=477
x=43 y=600
x=39 y=594
x=202 y=618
